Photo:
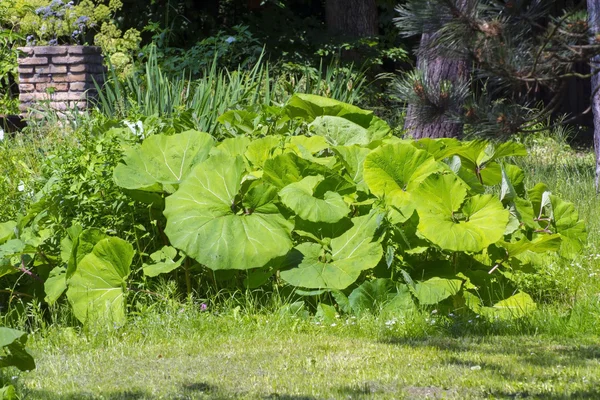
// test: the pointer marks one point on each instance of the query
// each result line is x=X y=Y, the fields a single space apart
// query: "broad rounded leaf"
x=162 y=160
x=339 y=267
x=310 y=107
x=206 y=221
x=260 y=150
x=434 y=290
x=96 y=290
x=566 y=222
x=7 y=230
x=299 y=197
x=339 y=131
x=479 y=222
x=353 y=159
x=13 y=342
x=163 y=262
x=392 y=171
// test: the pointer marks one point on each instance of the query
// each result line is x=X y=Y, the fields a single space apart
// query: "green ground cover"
x=183 y=354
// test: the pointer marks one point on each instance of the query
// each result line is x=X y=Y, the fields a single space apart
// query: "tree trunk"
x=594 y=26
x=437 y=69
x=353 y=18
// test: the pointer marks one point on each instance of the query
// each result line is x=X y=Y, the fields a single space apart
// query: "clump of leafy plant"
x=440 y=219
x=13 y=354
x=325 y=201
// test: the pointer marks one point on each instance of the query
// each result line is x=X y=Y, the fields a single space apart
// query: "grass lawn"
x=188 y=355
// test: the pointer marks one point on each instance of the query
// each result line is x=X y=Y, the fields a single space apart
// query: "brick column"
x=59 y=77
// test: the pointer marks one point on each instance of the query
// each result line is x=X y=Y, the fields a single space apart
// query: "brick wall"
x=61 y=77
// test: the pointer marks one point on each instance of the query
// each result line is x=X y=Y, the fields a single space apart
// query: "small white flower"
x=334 y=324
x=136 y=127
x=1 y=134
x=230 y=39
x=21 y=186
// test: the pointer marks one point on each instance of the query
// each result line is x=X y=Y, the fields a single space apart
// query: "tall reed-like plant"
x=203 y=100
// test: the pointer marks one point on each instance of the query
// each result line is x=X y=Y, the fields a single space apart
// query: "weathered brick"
x=68 y=96
x=33 y=61
x=25 y=51
x=93 y=68
x=81 y=86
x=50 y=50
x=34 y=78
x=51 y=69
x=27 y=97
x=56 y=87
x=84 y=50
x=92 y=59
x=26 y=87
x=23 y=107
x=25 y=70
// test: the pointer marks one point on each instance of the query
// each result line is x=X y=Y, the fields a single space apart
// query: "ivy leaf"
x=299 y=197
x=339 y=267
x=96 y=290
x=206 y=220
x=162 y=161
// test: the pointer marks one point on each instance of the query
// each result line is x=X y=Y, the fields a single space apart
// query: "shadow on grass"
x=128 y=395
x=276 y=396
x=579 y=394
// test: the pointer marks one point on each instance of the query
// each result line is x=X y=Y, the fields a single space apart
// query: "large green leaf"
x=517 y=306
x=206 y=219
x=289 y=168
x=163 y=262
x=372 y=295
x=55 y=285
x=162 y=161
x=353 y=158
x=300 y=198
x=7 y=230
x=260 y=150
x=339 y=131
x=481 y=157
x=12 y=343
x=96 y=290
x=392 y=171
x=439 y=148
x=310 y=107
x=566 y=222
x=434 y=290
x=339 y=266
x=479 y=222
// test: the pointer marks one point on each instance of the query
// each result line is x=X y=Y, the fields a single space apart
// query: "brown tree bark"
x=593 y=7
x=437 y=69
x=353 y=18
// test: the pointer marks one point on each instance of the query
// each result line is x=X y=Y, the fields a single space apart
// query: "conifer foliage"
x=513 y=55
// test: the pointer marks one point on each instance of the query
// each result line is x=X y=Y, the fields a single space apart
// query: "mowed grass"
x=193 y=355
